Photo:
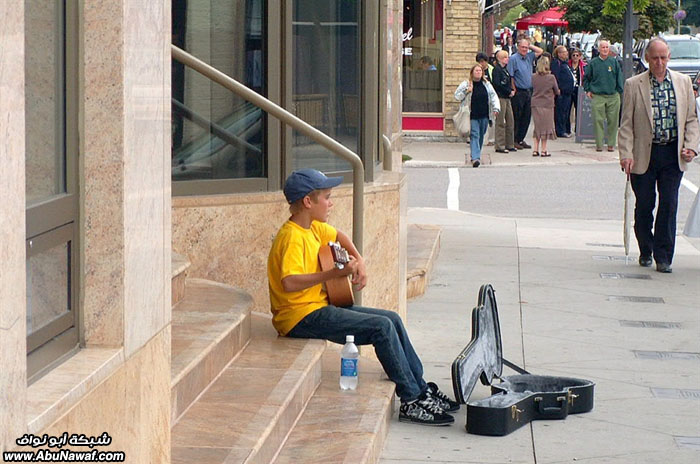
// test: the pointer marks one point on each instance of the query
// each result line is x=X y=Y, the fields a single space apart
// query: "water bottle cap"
x=349 y=339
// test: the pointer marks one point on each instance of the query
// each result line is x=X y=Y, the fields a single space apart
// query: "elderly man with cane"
x=658 y=136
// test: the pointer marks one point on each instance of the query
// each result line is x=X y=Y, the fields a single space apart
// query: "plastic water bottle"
x=348 y=364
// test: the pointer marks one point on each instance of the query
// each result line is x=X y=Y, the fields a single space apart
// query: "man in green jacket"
x=603 y=82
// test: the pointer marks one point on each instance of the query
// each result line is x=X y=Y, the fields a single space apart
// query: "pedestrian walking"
x=520 y=68
x=658 y=137
x=478 y=94
x=603 y=82
x=544 y=90
x=577 y=65
x=483 y=60
x=565 y=80
x=503 y=85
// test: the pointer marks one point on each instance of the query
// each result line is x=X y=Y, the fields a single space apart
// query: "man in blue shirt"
x=520 y=69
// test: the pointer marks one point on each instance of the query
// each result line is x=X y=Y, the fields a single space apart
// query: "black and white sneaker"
x=444 y=401
x=424 y=411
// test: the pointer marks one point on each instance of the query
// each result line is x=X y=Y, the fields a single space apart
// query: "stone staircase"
x=241 y=394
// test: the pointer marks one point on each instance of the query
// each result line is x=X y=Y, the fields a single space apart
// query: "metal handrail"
x=388 y=155
x=358 y=170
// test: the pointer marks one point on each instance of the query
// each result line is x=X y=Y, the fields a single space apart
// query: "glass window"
x=44 y=104
x=217 y=135
x=326 y=79
x=422 y=56
x=51 y=166
x=684 y=49
x=48 y=287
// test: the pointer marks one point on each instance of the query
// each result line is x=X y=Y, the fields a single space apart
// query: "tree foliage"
x=605 y=15
x=512 y=16
x=535 y=6
x=692 y=7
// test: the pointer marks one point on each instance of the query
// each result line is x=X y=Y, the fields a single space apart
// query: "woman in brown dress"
x=544 y=89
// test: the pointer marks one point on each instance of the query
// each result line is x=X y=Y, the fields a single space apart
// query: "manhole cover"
x=614 y=245
x=622 y=275
x=688 y=442
x=664 y=355
x=636 y=299
x=675 y=394
x=612 y=258
x=651 y=324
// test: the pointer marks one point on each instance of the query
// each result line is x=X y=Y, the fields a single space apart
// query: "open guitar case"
x=517 y=399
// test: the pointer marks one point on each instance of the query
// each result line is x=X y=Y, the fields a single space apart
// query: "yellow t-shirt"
x=295 y=251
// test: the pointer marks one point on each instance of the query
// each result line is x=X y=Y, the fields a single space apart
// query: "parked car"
x=685 y=54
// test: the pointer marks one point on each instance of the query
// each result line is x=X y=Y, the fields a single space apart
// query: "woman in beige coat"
x=544 y=89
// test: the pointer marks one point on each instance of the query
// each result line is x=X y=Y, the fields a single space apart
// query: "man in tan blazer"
x=658 y=136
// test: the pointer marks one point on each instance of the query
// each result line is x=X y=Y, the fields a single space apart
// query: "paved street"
x=549 y=239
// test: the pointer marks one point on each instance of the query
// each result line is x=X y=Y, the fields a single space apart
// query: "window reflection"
x=217 y=135
x=422 y=56
x=48 y=287
x=326 y=79
x=44 y=84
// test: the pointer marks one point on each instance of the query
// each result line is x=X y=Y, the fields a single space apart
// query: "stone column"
x=13 y=299
x=462 y=40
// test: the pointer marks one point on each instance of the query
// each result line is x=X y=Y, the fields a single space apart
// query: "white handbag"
x=461 y=120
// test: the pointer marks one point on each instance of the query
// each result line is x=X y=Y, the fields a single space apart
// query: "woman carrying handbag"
x=480 y=102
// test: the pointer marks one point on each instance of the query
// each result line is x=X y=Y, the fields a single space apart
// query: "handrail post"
x=358 y=169
x=388 y=154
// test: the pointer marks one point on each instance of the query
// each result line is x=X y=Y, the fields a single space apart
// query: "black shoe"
x=476 y=163
x=518 y=146
x=444 y=401
x=512 y=149
x=501 y=150
x=424 y=412
x=525 y=144
x=645 y=261
x=664 y=267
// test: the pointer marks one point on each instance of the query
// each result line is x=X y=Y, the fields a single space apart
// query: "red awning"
x=548 y=18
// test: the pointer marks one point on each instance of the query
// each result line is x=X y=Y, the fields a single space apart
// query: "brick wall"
x=462 y=39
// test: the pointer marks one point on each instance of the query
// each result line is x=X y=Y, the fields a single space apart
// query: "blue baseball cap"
x=304 y=181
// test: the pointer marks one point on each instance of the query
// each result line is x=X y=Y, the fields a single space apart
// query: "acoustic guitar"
x=339 y=289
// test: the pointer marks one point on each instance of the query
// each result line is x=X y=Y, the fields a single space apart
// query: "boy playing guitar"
x=300 y=306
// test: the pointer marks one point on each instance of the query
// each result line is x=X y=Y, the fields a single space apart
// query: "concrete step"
x=422 y=251
x=180 y=264
x=210 y=326
x=343 y=426
x=245 y=415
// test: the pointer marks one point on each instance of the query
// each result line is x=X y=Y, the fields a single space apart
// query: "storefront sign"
x=408 y=35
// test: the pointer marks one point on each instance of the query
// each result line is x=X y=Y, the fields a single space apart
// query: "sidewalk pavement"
x=562 y=312
x=453 y=154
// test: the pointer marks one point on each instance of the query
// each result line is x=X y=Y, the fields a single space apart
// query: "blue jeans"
x=478 y=130
x=370 y=326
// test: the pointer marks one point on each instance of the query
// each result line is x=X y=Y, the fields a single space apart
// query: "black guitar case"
x=517 y=399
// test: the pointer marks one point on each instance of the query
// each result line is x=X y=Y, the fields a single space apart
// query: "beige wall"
x=462 y=39
x=12 y=226
x=125 y=204
x=227 y=238
x=132 y=406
